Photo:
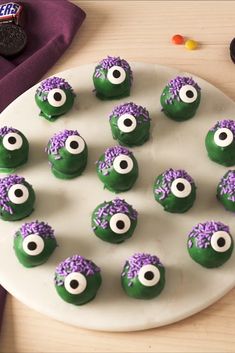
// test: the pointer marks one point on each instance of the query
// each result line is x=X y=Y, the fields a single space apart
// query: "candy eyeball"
x=17 y=198
x=67 y=154
x=180 y=98
x=55 y=97
x=143 y=276
x=14 y=149
x=220 y=144
x=130 y=124
x=175 y=190
x=77 y=280
x=117 y=168
x=34 y=243
x=114 y=221
x=226 y=191
x=112 y=78
x=210 y=244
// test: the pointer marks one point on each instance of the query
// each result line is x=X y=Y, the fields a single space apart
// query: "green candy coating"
x=208 y=257
x=31 y=261
x=137 y=290
x=224 y=198
x=222 y=155
x=10 y=160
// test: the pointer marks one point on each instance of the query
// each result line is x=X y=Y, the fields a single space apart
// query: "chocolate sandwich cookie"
x=232 y=50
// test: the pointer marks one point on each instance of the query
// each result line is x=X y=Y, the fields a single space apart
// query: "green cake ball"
x=220 y=143
x=181 y=98
x=54 y=97
x=34 y=243
x=114 y=221
x=77 y=280
x=210 y=244
x=226 y=191
x=143 y=276
x=14 y=149
x=17 y=198
x=112 y=78
x=67 y=154
x=130 y=124
x=117 y=168
x=175 y=190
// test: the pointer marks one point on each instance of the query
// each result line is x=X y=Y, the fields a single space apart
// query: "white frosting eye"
x=75 y=144
x=116 y=75
x=75 y=283
x=120 y=223
x=221 y=241
x=149 y=275
x=56 y=97
x=33 y=245
x=123 y=164
x=127 y=123
x=223 y=137
x=188 y=94
x=12 y=141
x=181 y=187
x=18 y=194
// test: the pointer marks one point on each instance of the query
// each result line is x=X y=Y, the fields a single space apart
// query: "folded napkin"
x=50 y=26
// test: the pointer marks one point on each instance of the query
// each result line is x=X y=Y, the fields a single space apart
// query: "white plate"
x=67 y=206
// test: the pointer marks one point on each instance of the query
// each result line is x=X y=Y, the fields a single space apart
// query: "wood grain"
x=141 y=31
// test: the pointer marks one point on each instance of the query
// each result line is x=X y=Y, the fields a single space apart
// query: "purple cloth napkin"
x=50 y=26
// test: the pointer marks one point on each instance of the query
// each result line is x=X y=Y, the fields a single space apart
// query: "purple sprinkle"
x=137 y=111
x=109 y=155
x=228 y=124
x=58 y=141
x=74 y=263
x=203 y=232
x=175 y=86
x=163 y=187
x=41 y=228
x=227 y=185
x=5 y=185
x=6 y=130
x=52 y=83
x=111 y=61
x=110 y=208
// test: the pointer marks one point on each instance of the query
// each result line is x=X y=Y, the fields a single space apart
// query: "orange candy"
x=177 y=39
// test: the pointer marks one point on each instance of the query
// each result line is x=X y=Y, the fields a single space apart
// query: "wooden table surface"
x=141 y=31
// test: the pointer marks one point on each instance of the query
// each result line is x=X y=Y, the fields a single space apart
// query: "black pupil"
x=149 y=275
x=18 y=193
x=221 y=242
x=116 y=74
x=189 y=94
x=222 y=136
x=57 y=96
x=180 y=186
x=74 y=145
x=74 y=284
x=120 y=225
x=32 y=246
x=123 y=164
x=127 y=122
x=12 y=140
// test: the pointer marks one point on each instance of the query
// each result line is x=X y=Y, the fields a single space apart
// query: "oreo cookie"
x=232 y=50
x=13 y=39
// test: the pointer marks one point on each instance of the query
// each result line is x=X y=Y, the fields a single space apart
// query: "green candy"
x=216 y=245
x=112 y=78
x=14 y=149
x=175 y=200
x=183 y=103
x=227 y=196
x=117 y=220
x=78 y=287
x=120 y=172
x=148 y=281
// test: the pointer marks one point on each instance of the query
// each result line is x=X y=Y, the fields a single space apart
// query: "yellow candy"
x=190 y=44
